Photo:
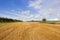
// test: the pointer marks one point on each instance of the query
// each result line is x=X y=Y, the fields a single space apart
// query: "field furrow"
x=29 y=31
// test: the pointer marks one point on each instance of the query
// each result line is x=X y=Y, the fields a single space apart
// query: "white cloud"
x=46 y=10
x=35 y=4
x=30 y=16
x=26 y=12
x=56 y=19
x=52 y=4
x=14 y=13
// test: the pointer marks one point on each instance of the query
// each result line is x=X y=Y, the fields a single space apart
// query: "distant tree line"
x=9 y=20
x=43 y=20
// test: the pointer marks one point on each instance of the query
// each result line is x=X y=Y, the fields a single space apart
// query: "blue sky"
x=30 y=9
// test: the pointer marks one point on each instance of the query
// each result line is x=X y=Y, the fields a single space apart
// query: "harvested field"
x=29 y=31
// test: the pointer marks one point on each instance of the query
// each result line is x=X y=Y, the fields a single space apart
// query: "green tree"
x=43 y=20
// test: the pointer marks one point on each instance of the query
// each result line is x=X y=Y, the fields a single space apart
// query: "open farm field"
x=29 y=31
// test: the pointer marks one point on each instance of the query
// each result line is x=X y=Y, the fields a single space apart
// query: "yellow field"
x=29 y=31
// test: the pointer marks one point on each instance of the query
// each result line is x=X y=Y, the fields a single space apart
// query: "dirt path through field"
x=29 y=31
